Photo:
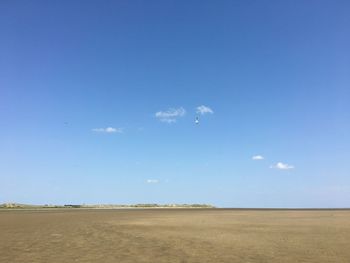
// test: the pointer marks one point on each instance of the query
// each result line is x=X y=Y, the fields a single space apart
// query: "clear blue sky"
x=81 y=83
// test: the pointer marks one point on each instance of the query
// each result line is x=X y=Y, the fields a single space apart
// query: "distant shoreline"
x=25 y=207
x=15 y=206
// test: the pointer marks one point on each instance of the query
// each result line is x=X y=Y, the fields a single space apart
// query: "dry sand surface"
x=174 y=235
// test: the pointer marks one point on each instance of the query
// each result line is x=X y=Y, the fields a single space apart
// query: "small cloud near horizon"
x=204 y=110
x=108 y=130
x=282 y=166
x=152 y=181
x=257 y=157
x=171 y=115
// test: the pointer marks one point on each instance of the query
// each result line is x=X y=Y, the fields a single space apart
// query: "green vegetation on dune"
x=106 y=206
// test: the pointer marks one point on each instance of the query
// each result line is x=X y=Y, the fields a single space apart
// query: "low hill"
x=104 y=206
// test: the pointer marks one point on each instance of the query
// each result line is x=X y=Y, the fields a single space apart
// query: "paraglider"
x=197 y=120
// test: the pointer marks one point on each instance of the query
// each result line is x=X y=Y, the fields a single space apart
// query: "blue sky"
x=98 y=101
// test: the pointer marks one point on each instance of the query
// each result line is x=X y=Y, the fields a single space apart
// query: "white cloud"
x=108 y=130
x=257 y=157
x=204 y=110
x=282 y=166
x=170 y=115
x=152 y=181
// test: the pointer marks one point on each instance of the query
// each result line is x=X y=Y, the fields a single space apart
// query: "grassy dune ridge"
x=106 y=206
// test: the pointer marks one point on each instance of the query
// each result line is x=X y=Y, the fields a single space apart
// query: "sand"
x=175 y=235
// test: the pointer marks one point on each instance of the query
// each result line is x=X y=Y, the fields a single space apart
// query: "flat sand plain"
x=175 y=235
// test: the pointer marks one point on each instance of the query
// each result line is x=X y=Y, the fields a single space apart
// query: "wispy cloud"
x=257 y=157
x=282 y=166
x=204 y=110
x=108 y=130
x=152 y=181
x=171 y=115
